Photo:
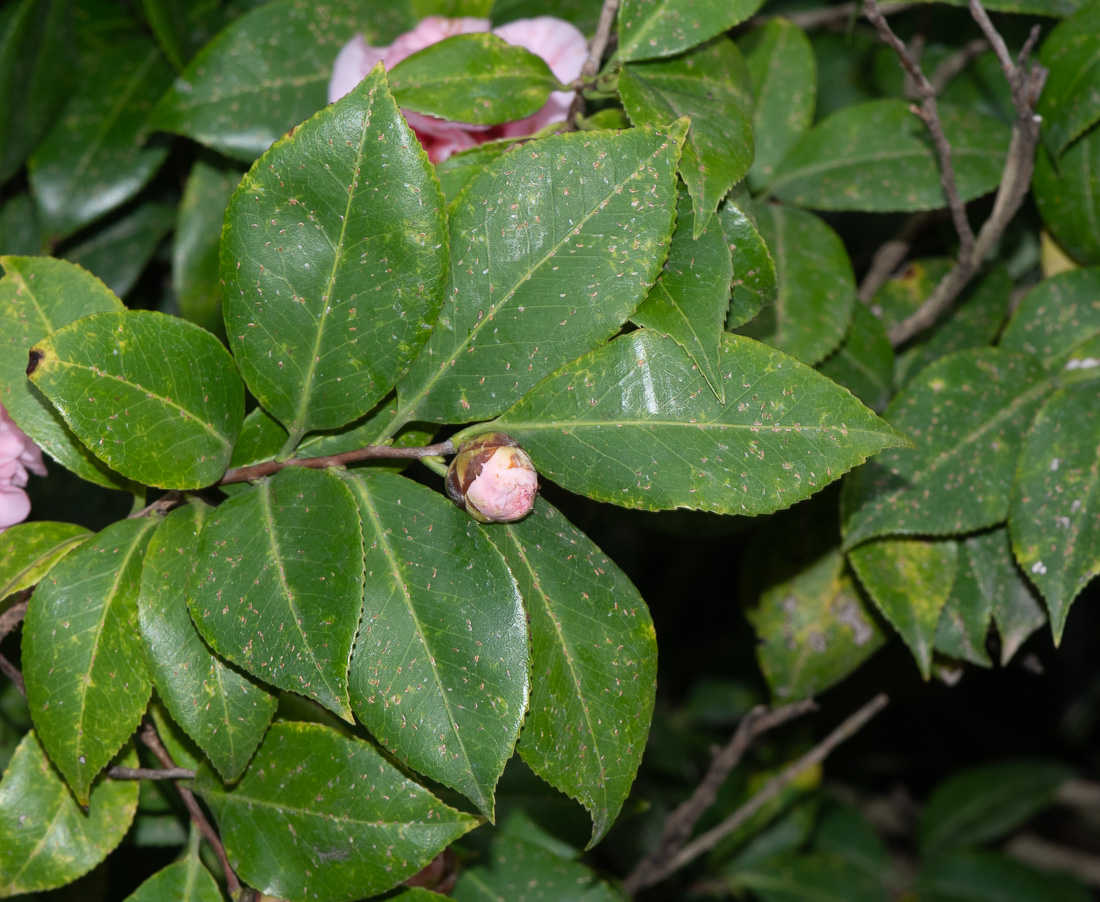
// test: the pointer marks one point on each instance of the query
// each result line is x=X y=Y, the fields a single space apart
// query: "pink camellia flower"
x=493 y=479
x=17 y=455
x=559 y=43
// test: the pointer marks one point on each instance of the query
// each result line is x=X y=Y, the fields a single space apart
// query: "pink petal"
x=14 y=506
x=561 y=44
x=355 y=59
x=430 y=31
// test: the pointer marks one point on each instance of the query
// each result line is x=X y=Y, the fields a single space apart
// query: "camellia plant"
x=406 y=283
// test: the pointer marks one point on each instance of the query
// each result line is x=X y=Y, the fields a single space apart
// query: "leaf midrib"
x=852 y=161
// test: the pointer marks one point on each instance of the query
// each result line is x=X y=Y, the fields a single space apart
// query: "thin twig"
x=831 y=14
x=952 y=66
x=12 y=673
x=152 y=741
x=890 y=255
x=683 y=820
x=707 y=841
x=118 y=772
x=370 y=452
x=13 y=616
x=599 y=40
x=162 y=505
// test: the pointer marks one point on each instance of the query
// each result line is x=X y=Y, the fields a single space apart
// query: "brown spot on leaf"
x=34 y=358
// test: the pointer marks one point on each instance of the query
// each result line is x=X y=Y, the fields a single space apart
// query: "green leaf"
x=909 y=580
x=29 y=550
x=1016 y=610
x=635 y=424
x=846 y=833
x=964 y=622
x=37 y=296
x=817 y=288
x=691 y=297
x=821 y=877
x=167 y=19
x=1067 y=197
x=331 y=285
x=155 y=397
x=1070 y=102
x=183 y=881
x=553 y=247
x=84 y=666
x=711 y=85
x=784 y=88
x=46 y=839
x=980 y=805
x=813 y=630
x=451 y=8
x=196 y=278
x=20 y=231
x=992 y=877
x=476 y=78
x=440 y=671
x=967 y=414
x=902 y=295
x=320 y=815
x=864 y=363
x=222 y=710
x=878 y=157
x=1053 y=516
x=38 y=69
x=654 y=28
x=457 y=170
x=267 y=72
x=754 y=280
x=594 y=658
x=97 y=157
x=1059 y=322
x=1035 y=7
x=279 y=585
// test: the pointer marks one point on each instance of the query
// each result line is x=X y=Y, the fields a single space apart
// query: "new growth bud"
x=493 y=479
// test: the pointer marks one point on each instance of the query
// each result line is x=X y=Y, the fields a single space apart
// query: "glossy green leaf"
x=654 y=28
x=196 y=278
x=980 y=805
x=1035 y=7
x=813 y=630
x=878 y=157
x=46 y=838
x=991 y=877
x=635 y=424
x=38 y=69
x=20 y=231
x=593 y=663
x=817 y=288
x=846 y=833
x=754 y=280
x=331 y=285
x=451 y=8
x=457 y=170
x=440 y=671
x=221 y=709
x=87 y=685
x=864 y=363
x=553 y=247
x=964 y=622
x=37 y=296
x=1053 y=518
x=167 y=20
x=183 y=881
x=321 y=815
x=691 y=297
x=712 y=86
x=1068 y=197
x=29 y=550
x=967 y=414
x=1016 y=609
x=1059 y=322
x=155 y=397
x=476 y=78
x=279 y=584
x=267 y=72
x=902 y=295
x=784 y=87
x=1070 y=102
x=97 y=156
x=818 y=876
x=909 y=580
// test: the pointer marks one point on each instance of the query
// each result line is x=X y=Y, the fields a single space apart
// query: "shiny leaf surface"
x=654 y=28
x=754 y=280
x=1059 y=322
x=29 y=550
x=864 y=363
x=1068 y=197
x=1070 y=102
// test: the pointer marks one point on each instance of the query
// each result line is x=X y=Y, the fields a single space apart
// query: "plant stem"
x=370 y=452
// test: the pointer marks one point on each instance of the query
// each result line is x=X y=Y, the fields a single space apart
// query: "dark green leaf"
x=279 y=585
x=990 y=877
x=1035 y=7
x=817 y=288
x=690 y=300
x=222 y=710
x=813 y=630
x=457 y=170
x=183 y=881
x=754 y=280
x=320 y=815
x=1070 y=102
x=878 y=156
x=46 y=838
x=452 y=8
x=38 y=295
x=29 y=550
x=784 y=87
x=910 y=581
x=20 y=231
x=712 y=86
x=635 y=424
x=1059 y=322
x=843 y=61
x=553 y=247
x=1068 y=197
x=440 y=670
x=1053 y=517
x=964 y=622
x=167 y=20
x=331 y=285
x=87 y=685
x=817 y=876
x=967 y=414
x=97 y=157
x=155 y=397
x=593 y=659
x=653 y=28
x=902 y=295
x=1016 y=610
x=864 y=363
x=846 y=833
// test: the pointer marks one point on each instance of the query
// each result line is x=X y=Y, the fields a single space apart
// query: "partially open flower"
x=493 y=479
x=18 y=454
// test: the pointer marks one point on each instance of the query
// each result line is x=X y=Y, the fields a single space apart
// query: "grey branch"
x=118 y=772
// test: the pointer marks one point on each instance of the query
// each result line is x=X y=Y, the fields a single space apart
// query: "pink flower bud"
x=493 y=479
x=17 y=455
